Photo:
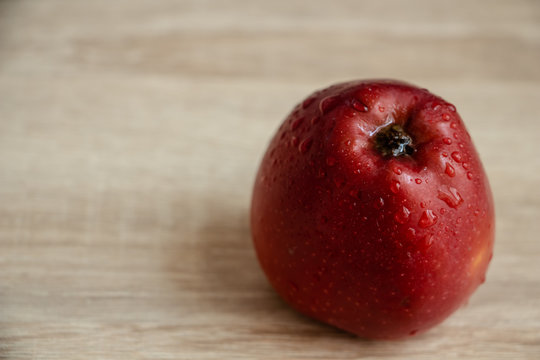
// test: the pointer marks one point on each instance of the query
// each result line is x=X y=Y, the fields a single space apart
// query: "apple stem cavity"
x=392 y=140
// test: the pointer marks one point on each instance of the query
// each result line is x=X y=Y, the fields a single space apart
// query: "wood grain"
x=130 y=133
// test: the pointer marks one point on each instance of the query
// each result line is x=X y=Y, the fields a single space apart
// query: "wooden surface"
x=130 y=132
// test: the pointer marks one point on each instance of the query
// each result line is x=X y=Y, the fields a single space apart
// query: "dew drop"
x=411 y=233
x=348 y=142
x=447 y=141
x=339 y=181
x=455 y=135
x=330 y=161
x=294 y=141
x=456 y=156
x=356 y=193
x=359 y=106
x=305 y=145
x=450 y=171
x=428 y=240
x=296 y=123
x=328 y=104
x=381 y=108
x=378 y=203
x=450 y=196
x=442 y=211
x=465 y=165
x=397 y=171
x=402 y=216
x=446 y=117
x=418 y=180
x=294 y=287
x=422 y=204
x=444 y=154
x=427 y=219
x=452 y=108
x=453 y=125
x=308 y=101
x=394 y=187
x=469 y=175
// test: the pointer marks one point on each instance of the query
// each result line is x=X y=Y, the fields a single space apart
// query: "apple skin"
x=378 y=245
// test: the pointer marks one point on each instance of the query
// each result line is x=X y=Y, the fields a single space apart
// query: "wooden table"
x=130 y=132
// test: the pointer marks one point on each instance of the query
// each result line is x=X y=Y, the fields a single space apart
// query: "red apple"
x=371 y=210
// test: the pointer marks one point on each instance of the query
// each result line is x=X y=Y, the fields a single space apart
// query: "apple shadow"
x=231 y=286
x=235 y=285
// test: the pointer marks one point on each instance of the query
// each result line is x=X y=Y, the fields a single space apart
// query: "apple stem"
x=392 y=140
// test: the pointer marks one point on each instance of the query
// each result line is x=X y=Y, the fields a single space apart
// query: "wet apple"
x=371 y=210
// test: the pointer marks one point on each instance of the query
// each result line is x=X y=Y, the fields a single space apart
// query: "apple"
x=371 y=210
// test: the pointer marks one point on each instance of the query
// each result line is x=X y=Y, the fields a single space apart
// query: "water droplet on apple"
x=305 y=145
x=339 y=181
x=469 y=175
x=411 y=233
x=428 y=240
x=450 y=196
x=452 y=108
x=348 y=113
x=442 y=211
x=294 y=141
x=465 y=165
x=402 y=216
x=356 y=193
x=446 y=117
x=381 y=108
x=330 y=161
x=449 y=170
x=456 y=156
x=397 y=171
x=427 y=219
x=394 y=186
x=294 y=287
x=359 y=106
x=447 y=141
x=296 y=123
x=422 y=204
x=378 y=203
x=453 y=125
x=308 y=101
x=418 y=180
x=444 y=154
x=328 y=104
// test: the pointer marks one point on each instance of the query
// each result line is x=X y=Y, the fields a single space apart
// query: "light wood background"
x=130 y=133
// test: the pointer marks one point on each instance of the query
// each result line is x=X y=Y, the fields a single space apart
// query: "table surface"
x=130 y=132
